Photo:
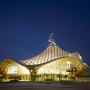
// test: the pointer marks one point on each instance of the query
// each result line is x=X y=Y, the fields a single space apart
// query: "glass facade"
x=12 y=69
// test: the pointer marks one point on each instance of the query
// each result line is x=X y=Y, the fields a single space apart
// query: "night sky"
x=25 y=26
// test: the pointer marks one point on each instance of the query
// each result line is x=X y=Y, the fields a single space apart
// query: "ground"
x=44 y=86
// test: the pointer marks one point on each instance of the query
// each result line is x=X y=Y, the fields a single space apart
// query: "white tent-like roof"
x=52 y=52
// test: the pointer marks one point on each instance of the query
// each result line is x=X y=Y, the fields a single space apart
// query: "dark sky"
x=25 y=26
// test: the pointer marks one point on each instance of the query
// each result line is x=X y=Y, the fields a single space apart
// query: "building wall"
x=56 y=70
x=22 y=70
x=55 y=67
x=76 y=55
x=17 y=69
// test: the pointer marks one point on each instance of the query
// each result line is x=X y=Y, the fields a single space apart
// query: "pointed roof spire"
x=51 y=40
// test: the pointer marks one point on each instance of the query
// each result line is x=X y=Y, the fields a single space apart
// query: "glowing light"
x=17 y=69
x=55 y=67
x=12 y=69
x=22 y=70
x=80 y=57
x=64 y=72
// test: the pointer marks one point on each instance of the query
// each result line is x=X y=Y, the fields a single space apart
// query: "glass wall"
x=12 y=69
x=55 y=71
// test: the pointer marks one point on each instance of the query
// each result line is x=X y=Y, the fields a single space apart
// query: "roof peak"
x=51 y=40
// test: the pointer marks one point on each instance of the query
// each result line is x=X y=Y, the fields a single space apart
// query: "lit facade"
x=53 y=64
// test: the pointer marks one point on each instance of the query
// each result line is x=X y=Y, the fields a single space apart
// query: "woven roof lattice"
x=52 y=52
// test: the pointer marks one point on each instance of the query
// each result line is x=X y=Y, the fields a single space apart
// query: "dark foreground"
x=44 y=86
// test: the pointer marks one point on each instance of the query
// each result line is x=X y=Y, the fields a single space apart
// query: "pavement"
x=44 y=86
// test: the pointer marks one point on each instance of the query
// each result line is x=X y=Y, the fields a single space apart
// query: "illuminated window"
x=12 y=69
x=80 y=57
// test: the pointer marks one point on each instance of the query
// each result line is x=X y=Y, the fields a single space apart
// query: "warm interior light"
x=17 y=69
x=55 y=67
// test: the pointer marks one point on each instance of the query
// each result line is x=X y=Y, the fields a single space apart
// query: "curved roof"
x=4 y=64
x=52 y=52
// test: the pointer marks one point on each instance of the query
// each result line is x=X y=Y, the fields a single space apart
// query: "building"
x=53 y=64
